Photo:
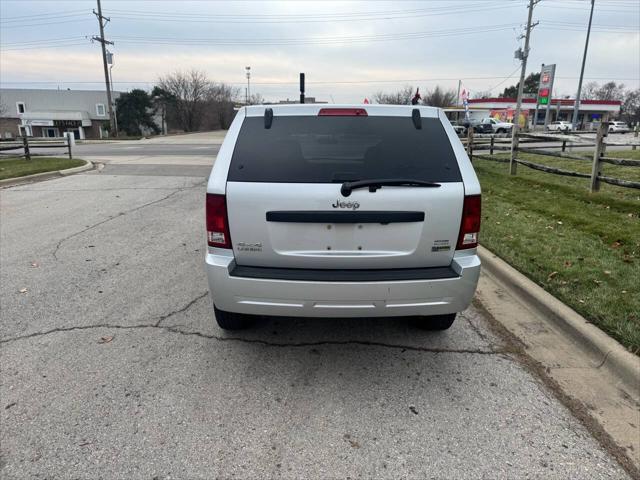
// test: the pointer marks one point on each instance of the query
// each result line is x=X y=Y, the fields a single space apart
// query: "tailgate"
x=305 y=226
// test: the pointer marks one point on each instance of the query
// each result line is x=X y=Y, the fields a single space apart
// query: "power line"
x=505 y=79
x=4 y=27
x=316 y=40
x=44 y=15
x=207 y=41
x=293 y=15
x=309 y=18
x=138 y=40
x=317 y=82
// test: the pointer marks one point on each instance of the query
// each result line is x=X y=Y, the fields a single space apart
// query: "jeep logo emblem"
x=350 y=205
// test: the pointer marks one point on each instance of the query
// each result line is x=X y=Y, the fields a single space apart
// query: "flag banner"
x=465 y=104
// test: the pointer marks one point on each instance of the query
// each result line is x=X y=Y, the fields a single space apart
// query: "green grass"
x=13 y=167
x=583 y=248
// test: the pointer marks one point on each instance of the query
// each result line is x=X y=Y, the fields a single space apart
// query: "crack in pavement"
x=475 y=329
x=162 y=318
x=174 y=329
x=265 y=343
x=121 y=214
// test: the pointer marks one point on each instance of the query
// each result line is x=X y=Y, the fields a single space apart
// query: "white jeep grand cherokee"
x=342 y=211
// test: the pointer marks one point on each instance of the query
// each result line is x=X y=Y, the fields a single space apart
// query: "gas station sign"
x=545 y=88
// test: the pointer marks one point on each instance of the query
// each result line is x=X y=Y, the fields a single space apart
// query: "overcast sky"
x=349 y=50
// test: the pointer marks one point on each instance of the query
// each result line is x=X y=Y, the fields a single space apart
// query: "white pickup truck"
x=497 y=126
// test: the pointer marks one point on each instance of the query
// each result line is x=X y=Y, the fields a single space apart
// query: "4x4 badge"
x=341 y=204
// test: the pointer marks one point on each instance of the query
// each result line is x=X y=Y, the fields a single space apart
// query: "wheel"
x=435 y=322
x=231 y=320
x=501 y=130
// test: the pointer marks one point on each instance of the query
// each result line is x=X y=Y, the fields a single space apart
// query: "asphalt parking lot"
x=112 y=366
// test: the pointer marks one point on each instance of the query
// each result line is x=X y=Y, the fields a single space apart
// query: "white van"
x=342 y=211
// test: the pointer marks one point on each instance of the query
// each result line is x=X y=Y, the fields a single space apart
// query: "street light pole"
x=115 y=113
x=576 y=106
x=248 y=69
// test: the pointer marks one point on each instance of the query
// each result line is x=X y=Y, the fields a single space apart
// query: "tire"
x=231 y=320
x=501 y=130
x=435 y=322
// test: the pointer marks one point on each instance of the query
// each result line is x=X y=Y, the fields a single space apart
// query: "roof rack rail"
x=268 y=117
x=417 y=119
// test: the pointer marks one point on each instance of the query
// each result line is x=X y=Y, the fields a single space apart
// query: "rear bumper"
x=281 y=297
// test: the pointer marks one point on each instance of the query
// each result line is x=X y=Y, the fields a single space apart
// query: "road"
x=135 y=148
x=112 y=365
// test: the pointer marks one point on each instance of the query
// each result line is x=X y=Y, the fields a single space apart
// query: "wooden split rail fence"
x=556 y=145
x=26 y=144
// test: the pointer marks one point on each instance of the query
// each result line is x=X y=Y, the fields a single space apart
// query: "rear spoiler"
x=357 y=112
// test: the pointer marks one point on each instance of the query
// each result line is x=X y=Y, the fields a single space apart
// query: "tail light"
x=342 y=112
x=217 y=221
x=470 y=224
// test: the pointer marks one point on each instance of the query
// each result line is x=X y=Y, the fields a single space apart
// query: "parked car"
x=459 y=128
x=560 y=126
x=618 y=127
x=497 y=126
x=342 y=211
x=479 y=127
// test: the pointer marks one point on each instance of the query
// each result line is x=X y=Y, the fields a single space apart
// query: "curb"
x=621 y=363
x=9 y=182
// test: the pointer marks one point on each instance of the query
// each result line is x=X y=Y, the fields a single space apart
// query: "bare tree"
x=611 y=91
x=483 y=94
x=630 y=111
x=400 y=97
x=608 y=91
x=590 y=91
x=438 y=97
x=630 y=108
x=256 y=99
x=221 y=98
x=189 y=91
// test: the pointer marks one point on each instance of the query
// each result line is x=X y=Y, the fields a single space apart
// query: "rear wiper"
x=375 y=184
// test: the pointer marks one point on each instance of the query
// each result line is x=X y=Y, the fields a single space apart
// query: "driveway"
x=112 y=365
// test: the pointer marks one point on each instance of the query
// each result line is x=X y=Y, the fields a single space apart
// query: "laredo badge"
x=441 y=246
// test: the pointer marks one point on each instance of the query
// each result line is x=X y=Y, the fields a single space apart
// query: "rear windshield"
x=309 y=149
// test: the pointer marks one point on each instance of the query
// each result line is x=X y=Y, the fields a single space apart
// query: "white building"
x=50 y=113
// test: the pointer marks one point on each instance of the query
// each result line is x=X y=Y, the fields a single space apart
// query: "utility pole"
x=523 y=55
x=576 y=106
x=102 y=22
x=458 y=97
